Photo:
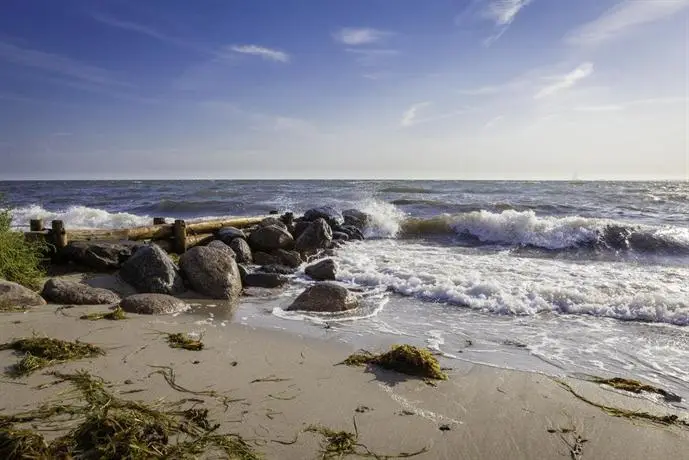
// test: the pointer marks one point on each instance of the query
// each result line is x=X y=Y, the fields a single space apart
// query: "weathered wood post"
x=59 y=235
x=159 y=221
x=36 y=225
x=180 y=236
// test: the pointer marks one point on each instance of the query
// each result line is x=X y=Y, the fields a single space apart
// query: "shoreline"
x=484 y=412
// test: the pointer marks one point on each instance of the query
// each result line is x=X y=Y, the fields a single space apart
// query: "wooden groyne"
x=174 y=237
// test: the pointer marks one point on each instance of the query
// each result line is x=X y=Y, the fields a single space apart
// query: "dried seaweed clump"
x=634 y=386
x=181 y=340
x=111 y=428
x=40 y=352
x=115 y=315
x=337 y=444
x=406 y=359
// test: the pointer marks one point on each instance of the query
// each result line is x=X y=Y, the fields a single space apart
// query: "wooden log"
x=135 y=233
x=199 y=240
x=41 y=236
x=215 y=225
x=59 y=235
x=180 y=236
x=36 y=225
x=159 y=221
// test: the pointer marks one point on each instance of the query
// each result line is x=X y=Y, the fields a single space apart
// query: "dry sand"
x=490 y=413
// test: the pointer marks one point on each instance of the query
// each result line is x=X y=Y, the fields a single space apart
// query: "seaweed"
x=113 y=428
x=406 y=359
x=115 y=315
x=40 y=352
x=634 y=386
x=11 y=308
x=182 y=340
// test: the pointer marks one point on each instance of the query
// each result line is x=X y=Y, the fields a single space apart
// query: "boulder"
x=318 y=235
x=153 y=304
x=299 y=227
x=270 y=238
x=211 y=272
x=329 y=214
x=322 y=271
x=356 y=218
x=274 y=268
x=100 y=255
x=227 y=234
x=325 y=297
x=16 y=295
x=151 y=270
x=265 y=280
x=340 y=236
x=268 y=221
x=217 y=244
x=63 y=291
x=263 y=258
x=242 y=251
x=288 y=258
x=352 y=232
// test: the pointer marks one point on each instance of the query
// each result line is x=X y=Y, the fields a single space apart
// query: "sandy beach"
x=285 y=383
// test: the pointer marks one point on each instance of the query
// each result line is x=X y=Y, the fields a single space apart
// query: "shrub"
x=20 y=260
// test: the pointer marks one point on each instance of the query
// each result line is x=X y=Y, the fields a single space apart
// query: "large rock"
x=151 y=270
x=153 y=304
x=322 y=271
x=330 y=215
x=353 y=232
x=217 y=244
x=325 y=297
x=265 y=280
x=263 y=258
x=268 y=221
x=270 y=238
x=289 y=258
x=318 y=235
x=72 y=292
x=274 y=268
x=100 y=255
x=211 y=272
x=299 y=227
x=16 y=295
x=356 y=218
x=228 y=234
x=242 y=250
x=340 y=236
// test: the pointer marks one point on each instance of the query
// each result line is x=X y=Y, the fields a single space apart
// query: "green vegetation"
x=113 y=428
x=40 y=352
x=406 y=359
x=182 y=340
x=20 y=260
x=115 y=315
x=634 y=386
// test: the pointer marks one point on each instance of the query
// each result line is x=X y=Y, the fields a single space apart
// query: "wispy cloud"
x=502 y=13
x=371 y=56
x=409 y=115
x=493 y=121
x=146 y=30
x=262 y=52
x=59 y=65
x=633 y=103
x=622 y=17
x=353 y=36
x=565 y=81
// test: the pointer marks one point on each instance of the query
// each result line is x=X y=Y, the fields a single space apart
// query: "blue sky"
x=465 y=89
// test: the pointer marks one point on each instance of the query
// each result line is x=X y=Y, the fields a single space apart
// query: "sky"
x=409 y=89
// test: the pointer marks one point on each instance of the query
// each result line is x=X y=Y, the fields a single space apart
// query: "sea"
x=562 y=278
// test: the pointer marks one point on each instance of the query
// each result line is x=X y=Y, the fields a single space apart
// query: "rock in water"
x=211 y=272
x=299 y=227
x=281 y=269
x=16 y=295
x=268 y=221
x=153 y=304
x=325 y=297
x=72 y=292
x=330 y=215
x=263 y=258
x=356 y=218
x=288 y=258
x=100 y=255
x=151 y=270
x=228 y=234
x=322 y=271
x=318 y=235
x=340 y=236
x=270 y=237
x=217 y=244
x=242 y=250
x=264 y=280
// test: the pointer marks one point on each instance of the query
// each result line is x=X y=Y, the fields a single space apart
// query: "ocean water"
x=555 y=277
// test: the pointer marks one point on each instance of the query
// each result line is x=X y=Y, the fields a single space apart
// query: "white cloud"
x=265 y=53
x=409 y=116
x=622 y=17
x=503 y=12
x=359 y=36
x=565 y=81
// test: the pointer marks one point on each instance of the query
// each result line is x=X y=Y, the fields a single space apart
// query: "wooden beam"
x=59 y=234
x=215 y=225
x=199 y=240
x=159 y=221
x=180 y=235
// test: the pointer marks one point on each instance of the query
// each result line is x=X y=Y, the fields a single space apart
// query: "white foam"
x=386 y=218
x=79 y=217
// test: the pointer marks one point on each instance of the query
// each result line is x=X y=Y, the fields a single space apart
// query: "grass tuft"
x=182 y=340
x=406 y=359
x=41 y=352
x=115 y=315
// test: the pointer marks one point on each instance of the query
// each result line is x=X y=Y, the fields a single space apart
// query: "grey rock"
x=227 y=234
x=356 y=218
x=340 y=236
x=270 y=238
x=263 y=258
x=318 y=235
x=16 y=295
x=211 y=272
x=217 y=244
x=265 y=280
x=329 y=214
x=299 y=227
x=242 y=250
x=72 y=292
x=325 y=297
x=281 y=269
x=100 y=255
x=151 y=270
x=353 y=232
x=322 y=271
x=289 y=258
x=153 y=304
x=268 y=221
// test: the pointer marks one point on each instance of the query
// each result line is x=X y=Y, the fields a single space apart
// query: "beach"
x=282 y=383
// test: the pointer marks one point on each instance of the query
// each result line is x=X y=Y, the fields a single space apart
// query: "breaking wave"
x=78 y=217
